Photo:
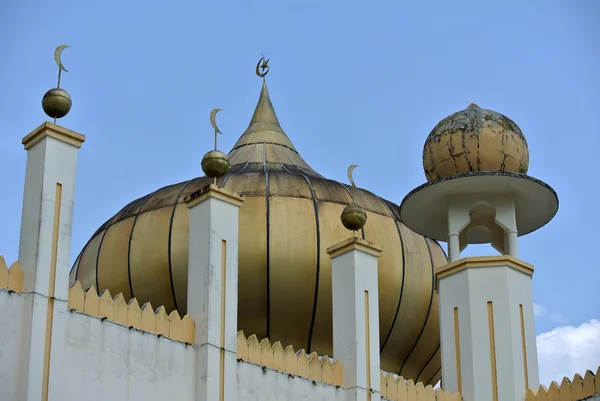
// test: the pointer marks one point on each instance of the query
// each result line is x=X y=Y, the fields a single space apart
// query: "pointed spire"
x=264 y=109
x=264 y=125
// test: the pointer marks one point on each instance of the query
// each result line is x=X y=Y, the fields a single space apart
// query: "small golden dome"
x=215 y=164
x=475 y=139
x=56 y=103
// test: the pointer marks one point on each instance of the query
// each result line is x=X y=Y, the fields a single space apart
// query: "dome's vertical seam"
x=108 y=224
x=98 y=259
x=137 y=214
x=240 y=170
x=434 y=375
x=396 y=222
x=312 y=172
x=169 y=243
x=239 y=154
x=427 y=363
x=80 y=255
x=428 y=309
x=318 y=238
x=268 y=218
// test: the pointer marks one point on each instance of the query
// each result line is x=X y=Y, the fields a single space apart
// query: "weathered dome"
x=475 y=139
x=290 y=216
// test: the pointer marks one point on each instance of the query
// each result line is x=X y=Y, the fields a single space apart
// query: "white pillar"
x=213 y=289
x=487 y=328
x=355 y=302
x=44 y=251
x=453 y=247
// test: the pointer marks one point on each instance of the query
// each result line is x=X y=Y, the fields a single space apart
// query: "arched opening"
x=482 y=236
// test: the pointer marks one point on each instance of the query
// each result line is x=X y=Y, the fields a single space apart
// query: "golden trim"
x=129 y=314
x=457 y=351
x=524 y=346
x=490 y=309
x=47 y=129
x=368 y=344
x=51 y=288
x=322 y=369
x=213 y=191
x=352 y=244
x=482 y=261
x=223 y=300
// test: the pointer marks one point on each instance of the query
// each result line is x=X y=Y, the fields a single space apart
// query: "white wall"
x=106 y=361
x=100 y=360
x=11 y=312
x=258 y=384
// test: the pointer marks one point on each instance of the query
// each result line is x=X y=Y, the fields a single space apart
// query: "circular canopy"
x=425 y=209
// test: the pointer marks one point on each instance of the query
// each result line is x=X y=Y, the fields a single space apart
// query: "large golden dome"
x=290 y=216
x=475 y=139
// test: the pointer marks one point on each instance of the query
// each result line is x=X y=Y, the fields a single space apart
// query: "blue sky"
x=352 y=82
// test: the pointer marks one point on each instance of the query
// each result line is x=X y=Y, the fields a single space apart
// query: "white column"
x=458 y=219
x=355 y=302
x=487 y=328
x=44 y=251
x=213 y=289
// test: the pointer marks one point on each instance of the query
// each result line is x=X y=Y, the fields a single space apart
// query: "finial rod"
x=353 y=216
x=57 y=102
x=215 y=163
x=353 y=192
x=213 y=122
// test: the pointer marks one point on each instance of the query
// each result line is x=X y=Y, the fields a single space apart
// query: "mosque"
x=264 y=280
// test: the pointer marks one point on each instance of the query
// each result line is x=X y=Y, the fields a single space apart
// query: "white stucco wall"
x=258 y=384
x=100 y=361
x=106 y=361
x=11 y=309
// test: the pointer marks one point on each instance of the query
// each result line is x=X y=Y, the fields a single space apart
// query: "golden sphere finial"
x=215 y=163
x=353 y=216
x=57 y=103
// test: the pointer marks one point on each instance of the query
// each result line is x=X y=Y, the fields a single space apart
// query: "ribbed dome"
x=290 y=216
x=475 y=139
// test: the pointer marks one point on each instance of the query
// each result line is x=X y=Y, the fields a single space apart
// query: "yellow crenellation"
x=130 y=314
x=314 y=367
x=395 y=388
x=11 y=278
x=568 y=390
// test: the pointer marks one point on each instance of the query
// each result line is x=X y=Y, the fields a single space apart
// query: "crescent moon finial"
x=57 y=54
x=350 y=171
x=263 y=68
x=213 y=122
x=61 y=67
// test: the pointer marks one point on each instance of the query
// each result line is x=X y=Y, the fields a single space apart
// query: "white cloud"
x=540 y=311
x=568 y=350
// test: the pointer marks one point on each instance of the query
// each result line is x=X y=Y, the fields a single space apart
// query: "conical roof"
x=264 y=141
x=264 y=126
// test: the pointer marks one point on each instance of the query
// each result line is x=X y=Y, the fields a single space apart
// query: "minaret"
x=355 y=303
x=213 y=279
x=478 y=192
x=45 y=243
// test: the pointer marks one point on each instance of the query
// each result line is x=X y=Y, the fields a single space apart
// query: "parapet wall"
x=11 y=278
x=579 y=388
x=314 y=367
x=130 y=314
x=106 y=348
x=396 y=388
